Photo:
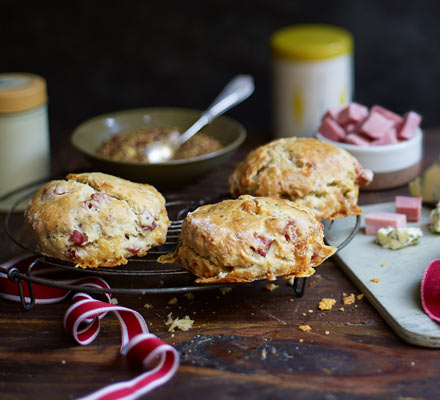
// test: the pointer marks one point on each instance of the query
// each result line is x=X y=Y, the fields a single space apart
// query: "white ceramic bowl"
x=393 y=165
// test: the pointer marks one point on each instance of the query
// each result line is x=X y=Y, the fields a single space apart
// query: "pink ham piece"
x=354 y=138
x=389 y=138
x=333 y=112
x=376 y=125
x=410 y=206
x=353 y=113
x=350 y=128
x=388 y=114
x=411 y=121
x=379 y=219
x=331 y=130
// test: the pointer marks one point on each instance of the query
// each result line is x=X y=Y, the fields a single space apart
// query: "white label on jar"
x=304 y=90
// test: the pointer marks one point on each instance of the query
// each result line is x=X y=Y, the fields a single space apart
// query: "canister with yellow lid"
x=312 y=71
x=24 y=131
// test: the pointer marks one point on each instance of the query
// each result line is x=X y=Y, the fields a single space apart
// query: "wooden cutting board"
x=397 y=296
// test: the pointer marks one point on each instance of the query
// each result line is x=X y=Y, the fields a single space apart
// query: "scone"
x=94 y=219
x=319 y=175
x=250 y=238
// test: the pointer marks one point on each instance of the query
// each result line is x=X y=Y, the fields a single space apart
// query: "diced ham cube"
x=411 y=121
x=376 y=125
x=263 y=245
x=331 y=130
x=379 y=219
x=388 y=114
x=358 y=140
x=389 y=138
x=333 y=112
x=350 y=128
x=353 y=113
x=410 y=206
x=78 y=237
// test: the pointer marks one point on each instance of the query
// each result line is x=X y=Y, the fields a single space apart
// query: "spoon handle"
x=237 y=90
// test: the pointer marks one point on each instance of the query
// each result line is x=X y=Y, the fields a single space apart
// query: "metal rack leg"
x=12 y=275
x=299 y=285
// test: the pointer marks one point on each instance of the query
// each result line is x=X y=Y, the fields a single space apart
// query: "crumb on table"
x=183 y=324
x=375 y=280
x=271 y=286
x=305 y=328
x=225 y=289
x=326 y=304
x=348 y=299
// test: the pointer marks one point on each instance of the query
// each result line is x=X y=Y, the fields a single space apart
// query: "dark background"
x=102 y=56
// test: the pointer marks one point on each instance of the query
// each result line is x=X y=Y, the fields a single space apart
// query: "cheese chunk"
x=390 y=238
x=427 y=186
x=435 y=219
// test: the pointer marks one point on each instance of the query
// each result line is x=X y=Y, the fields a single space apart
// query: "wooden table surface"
x=243 y=344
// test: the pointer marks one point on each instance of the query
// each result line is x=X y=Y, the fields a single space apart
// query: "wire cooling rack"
x=139 y=276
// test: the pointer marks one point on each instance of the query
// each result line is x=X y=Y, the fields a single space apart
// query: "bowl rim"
x=374 y=149
x=224 y=150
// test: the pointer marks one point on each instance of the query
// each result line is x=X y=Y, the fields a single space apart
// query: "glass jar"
x=312 y=71
x=24 y=131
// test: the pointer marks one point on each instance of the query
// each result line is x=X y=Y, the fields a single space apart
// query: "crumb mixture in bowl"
x=130 y=145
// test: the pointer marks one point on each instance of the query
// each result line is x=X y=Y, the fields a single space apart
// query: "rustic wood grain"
x=244 y=343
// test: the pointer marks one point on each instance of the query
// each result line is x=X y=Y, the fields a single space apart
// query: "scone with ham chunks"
x=310 y=172
x=95 y=219
x=250 y=238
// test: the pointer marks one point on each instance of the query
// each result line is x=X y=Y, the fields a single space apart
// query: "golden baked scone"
x=317 y=174
x=94 y=219
x=250 y=238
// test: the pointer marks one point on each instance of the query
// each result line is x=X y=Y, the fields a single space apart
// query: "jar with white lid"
x=312 y=71
x=24 y=131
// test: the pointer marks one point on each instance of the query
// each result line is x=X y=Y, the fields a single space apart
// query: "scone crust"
x=250 y=238
x=317 y=174
x=95 y=219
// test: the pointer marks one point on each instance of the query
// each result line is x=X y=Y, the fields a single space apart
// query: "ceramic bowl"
x=393 y=165
x=89 y=136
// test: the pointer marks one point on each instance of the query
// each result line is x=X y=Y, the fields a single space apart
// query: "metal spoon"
x=237 y=90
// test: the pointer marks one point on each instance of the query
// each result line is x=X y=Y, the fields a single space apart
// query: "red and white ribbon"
x=82 y=321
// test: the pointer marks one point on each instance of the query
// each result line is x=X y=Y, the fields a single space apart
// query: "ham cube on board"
x=388 y=114
x=353 y=113
x=376 y=125
x=331 y=130
x=411 y=121
x=410 y=206
x=379 y=219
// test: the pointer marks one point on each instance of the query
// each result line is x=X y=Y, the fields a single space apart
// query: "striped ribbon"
x=82 y=321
